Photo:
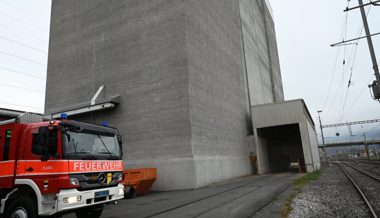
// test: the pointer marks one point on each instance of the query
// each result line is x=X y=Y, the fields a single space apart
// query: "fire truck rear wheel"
x=93 y=212
x=22 y=207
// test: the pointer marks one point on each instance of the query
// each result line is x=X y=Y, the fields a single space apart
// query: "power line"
x=22 y=44
x=340 y=87
x=354 y=59
x=348 y=85
x=360 y=94
x=24 y=33
x=23 y=88
x=344 y=67
x=20 y=105
x=25 y=74
x=326 y=104
x=376 y=3
x=351 y=69
x=345 y=103
x=22 y=58
x=21 y=21
x=331 y=79
x=26 y=11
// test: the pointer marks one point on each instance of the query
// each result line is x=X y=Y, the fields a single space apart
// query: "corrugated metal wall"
x=277 y=114
x=284 y=113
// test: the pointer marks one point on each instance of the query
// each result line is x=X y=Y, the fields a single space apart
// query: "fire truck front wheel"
x=93 y=212
x=22 y=207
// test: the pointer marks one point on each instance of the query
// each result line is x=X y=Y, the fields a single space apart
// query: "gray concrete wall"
x=261 y=55
x=275 y=70
x=219 y=110
x=136 y=49
x=262 y=154
x=179 y=67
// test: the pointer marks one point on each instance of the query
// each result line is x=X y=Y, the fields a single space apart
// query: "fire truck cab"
x=58 y=166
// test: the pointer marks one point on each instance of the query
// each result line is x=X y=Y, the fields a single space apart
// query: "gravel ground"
x=330 y=196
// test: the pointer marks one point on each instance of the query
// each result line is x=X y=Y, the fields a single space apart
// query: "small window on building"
x=37 y=149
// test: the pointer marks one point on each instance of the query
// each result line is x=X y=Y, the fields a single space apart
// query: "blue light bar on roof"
x=63 y=116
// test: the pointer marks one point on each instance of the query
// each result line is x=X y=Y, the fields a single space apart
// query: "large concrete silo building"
x=179 y=77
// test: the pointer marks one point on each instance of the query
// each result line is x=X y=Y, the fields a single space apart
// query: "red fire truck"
x=59 y=166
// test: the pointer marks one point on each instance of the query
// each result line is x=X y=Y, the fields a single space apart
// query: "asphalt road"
x=236 y=198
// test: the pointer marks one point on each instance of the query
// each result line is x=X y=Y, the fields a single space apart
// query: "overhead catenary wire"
x=352 y=67
x=350 y=77
x=29 y=36
x=327 y=104
x=348 y=66
x=20 y=105
x=23 y=44
x=337 y=91
x=22 y=21
x=19 y=87
x=22 y=58
x=345 y=103
x=342 y=103
x=23 y=33
x=331 y=79
x=359 y=95
x=21 y=73
x=349 y=82
x=26 y=11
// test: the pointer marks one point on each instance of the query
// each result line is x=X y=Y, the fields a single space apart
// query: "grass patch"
x=298 y=185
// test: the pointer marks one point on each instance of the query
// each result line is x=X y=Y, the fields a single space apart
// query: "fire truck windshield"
x=90 y=145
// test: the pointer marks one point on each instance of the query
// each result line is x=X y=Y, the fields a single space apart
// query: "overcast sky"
x=24 y=38
x=314 y=71
x=311 y=69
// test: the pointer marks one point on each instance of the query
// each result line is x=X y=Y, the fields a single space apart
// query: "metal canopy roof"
x=86 y=107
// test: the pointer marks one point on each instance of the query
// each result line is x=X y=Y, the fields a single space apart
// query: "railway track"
x=366 y=186
x=369 y=166
x=371 y=162
x=368 y=172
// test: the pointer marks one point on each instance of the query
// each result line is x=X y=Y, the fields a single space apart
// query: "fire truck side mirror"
x=43 y=140
x=119 y=139
x=43 y=136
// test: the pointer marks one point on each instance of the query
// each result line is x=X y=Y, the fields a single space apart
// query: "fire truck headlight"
x=120 y=178
x=74 y=181
x=72 y=199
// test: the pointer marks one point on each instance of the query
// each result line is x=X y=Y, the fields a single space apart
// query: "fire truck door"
x=7 y=160
x=34 y=165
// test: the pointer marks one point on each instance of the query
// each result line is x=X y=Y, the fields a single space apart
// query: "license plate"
x=101 y=194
